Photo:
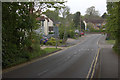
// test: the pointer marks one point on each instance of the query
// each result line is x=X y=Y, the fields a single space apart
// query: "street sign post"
x=56 y=32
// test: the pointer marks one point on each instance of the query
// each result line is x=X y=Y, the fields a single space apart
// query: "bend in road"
x=73 y=62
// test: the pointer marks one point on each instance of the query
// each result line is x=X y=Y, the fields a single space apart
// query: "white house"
x=46 y=24
x=85 y=25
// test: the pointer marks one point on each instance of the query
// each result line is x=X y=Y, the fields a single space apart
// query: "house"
x=85 y=25
x=97 y=24
x=46 y=24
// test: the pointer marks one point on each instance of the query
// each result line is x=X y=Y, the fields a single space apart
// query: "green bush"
x=60 y=41
x=53 y=43
x=71 y=34
x=51 y=32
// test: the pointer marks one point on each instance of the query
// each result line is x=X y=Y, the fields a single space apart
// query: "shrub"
x=60 y=41
x=53 y=43
x=51 y=32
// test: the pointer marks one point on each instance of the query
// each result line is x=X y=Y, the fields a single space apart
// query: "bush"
x=51 y=32
x=71 y=34
x=60 y=41
x=51 y=41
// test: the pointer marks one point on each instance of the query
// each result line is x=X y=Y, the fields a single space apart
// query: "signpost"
x=56 y=31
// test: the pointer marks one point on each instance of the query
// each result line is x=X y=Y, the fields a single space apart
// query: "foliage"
x=43 y=6
x=51 y=32
x=51 y=41
x=92 y=12
x=53 y=15
x=71 y=33
x=110 y=41
x=17 y=21
x=113 y=23
x=19 y=41
x=65 y=11
x=50 y=50
x=61 y=31
x=76 y=19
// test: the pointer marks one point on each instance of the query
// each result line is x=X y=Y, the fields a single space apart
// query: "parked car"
x=81 y=33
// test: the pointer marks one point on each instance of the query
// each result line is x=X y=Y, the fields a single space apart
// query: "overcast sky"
x=82 y=5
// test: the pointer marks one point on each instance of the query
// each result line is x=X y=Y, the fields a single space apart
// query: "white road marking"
x=95 y=59
x=42 y=72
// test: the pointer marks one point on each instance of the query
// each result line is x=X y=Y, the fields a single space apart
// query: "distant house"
x=46 y=24
x=97 y=24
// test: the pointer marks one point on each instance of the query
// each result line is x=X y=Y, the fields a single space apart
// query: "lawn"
x=50 y=50
x=110 y=41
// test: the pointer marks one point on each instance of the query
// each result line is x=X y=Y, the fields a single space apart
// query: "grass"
x=50 y=50
x=31 y=56
x=110 y=41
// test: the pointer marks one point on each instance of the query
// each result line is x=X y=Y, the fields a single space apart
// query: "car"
x=81 y=33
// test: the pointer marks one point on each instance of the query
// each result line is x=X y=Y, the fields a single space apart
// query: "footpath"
x=108 y=63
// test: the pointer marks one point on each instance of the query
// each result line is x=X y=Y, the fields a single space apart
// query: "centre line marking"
x=93 y=65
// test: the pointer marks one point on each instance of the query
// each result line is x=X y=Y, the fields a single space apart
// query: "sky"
x=82 y=5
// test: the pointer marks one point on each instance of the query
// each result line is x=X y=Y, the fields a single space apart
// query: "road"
x=74 y=62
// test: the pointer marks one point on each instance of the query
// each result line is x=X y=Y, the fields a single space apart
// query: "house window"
x=50 y=29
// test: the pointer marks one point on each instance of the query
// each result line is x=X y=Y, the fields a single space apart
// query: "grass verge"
x=50 y=50
x=32 y=56
x=110 y=41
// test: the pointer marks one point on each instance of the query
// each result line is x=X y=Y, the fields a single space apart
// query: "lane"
x=71 y=63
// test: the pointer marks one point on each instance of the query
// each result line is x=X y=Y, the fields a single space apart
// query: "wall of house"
x=46 y=27
x=50 y=24
x=85 y=25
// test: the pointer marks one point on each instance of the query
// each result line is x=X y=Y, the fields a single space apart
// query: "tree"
x=18 y=22
x=76 y=19
x=113 y=23
x=53 y=15
x=65 y=13
x=91 y=13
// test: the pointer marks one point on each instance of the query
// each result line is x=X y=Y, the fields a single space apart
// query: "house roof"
x=42 y=18
x=95 y=21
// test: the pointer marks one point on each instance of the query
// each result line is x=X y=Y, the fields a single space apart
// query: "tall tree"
x=64 y=26
x=91 y=13
x=18 y=22
x=53 y=15
x=76 y=19
x=113 y=22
